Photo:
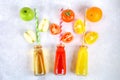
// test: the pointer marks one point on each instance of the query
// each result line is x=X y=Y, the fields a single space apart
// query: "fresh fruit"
x=44 y=25
x=67 y=15
x=55 y=29
x=67 y=37
x=30 y=36
x=26 y=14
x=90 y=37
x=79 y=27
x=94 y=14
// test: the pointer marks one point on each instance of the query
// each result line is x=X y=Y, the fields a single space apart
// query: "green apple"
x=26 y=14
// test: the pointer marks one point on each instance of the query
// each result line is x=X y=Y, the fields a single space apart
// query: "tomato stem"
x=67 y=13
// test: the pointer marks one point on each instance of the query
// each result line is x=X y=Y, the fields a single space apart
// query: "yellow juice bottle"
x=82 y=61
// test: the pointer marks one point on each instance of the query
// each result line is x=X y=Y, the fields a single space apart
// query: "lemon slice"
x=79 y=27
x=91 y=37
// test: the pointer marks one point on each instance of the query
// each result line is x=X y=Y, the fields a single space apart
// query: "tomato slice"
x=67 y=15
x=67 y=37
x=55 y=29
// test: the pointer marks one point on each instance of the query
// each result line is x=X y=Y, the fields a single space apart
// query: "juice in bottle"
x=60 y=61
x=39 y=66
x=82 y=61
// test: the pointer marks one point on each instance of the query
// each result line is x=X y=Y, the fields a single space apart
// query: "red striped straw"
x=60 y=24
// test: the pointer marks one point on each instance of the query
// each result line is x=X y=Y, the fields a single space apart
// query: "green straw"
x=37 y=23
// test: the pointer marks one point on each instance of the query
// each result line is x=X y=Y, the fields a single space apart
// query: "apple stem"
x=37 y=23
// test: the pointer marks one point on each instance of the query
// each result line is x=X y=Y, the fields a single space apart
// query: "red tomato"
x=55 y=29
x=67 y=37
x=67 y=15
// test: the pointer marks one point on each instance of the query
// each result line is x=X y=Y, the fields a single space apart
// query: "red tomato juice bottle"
x=60 y=61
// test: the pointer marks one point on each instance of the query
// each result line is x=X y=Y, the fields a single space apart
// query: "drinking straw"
x=36 y=28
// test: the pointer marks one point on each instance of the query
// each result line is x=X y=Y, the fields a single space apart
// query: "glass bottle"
x=82 y=61
x=39 y=66
x=60 y=61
